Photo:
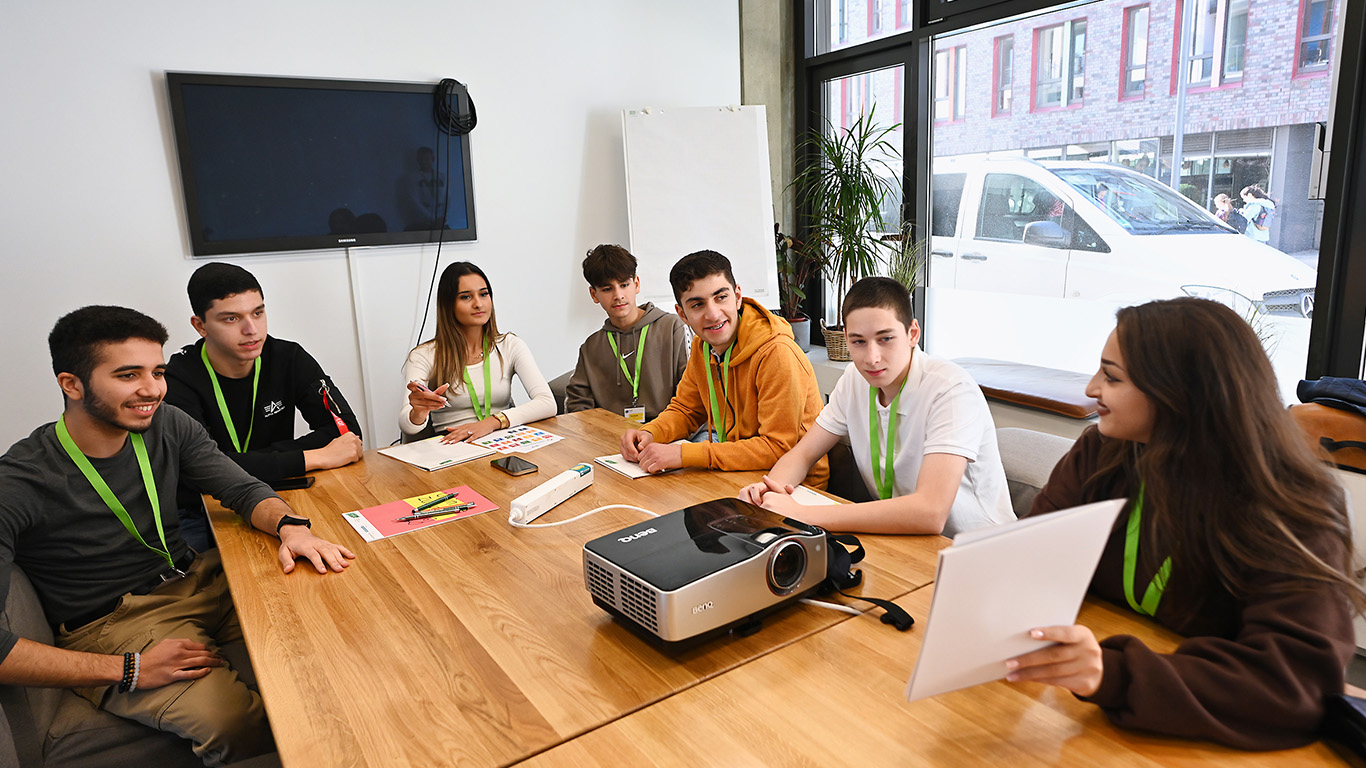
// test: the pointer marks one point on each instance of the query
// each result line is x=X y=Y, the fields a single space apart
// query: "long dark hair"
x=450 y=360
x=1231 y=486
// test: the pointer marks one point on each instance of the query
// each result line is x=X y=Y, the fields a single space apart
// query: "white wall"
x=90 y=202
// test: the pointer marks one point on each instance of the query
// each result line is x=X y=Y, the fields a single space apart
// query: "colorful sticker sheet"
x=521 y=439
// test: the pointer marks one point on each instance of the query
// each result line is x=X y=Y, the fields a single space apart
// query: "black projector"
x=704 y=569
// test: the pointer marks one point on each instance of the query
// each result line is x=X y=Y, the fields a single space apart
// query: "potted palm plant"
x=906 y=260
x=840 y=195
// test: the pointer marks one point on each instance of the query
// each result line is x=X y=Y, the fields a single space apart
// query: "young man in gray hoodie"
x=632 y=365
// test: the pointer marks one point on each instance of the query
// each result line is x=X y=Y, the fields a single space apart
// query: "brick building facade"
x=1100 y=81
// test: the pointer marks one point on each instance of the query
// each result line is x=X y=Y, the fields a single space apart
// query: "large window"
x=1218 y=41
x=1135 y=51
x=1070 y=208
x=1060 y=61
x=1004 y=65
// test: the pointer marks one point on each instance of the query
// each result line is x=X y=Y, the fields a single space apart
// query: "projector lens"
x=786 y=567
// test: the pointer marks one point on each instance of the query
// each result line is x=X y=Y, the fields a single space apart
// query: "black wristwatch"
x=291 y=520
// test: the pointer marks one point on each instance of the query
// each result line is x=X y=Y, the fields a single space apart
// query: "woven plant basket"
x=835 y=347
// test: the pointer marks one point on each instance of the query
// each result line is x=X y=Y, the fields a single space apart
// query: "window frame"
x=1302 y=20
x=1126 y=52
x=997 y=87
x=1218 y=78
x=1067 y=80
x=956 y=81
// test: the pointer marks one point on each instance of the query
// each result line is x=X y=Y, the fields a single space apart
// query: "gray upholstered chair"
x=55 y=727
x=1028 y=458
x=557 y=387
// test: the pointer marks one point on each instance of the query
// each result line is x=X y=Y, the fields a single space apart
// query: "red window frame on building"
x=1302 y=19
x=1217 y=79
x=997 y=87
x=1066 y=84
x=1126 y=52
x=956 y=58
x=903 y=14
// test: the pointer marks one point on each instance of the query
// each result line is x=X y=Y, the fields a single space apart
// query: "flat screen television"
x=273 y=164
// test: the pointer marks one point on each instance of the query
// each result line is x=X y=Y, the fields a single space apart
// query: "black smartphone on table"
x=514 y=465
x=292 y=483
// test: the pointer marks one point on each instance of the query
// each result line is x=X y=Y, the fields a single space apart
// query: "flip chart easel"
x=698 y=178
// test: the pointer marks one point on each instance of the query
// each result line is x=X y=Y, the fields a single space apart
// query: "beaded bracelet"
x=127 y=682
x=137 y=670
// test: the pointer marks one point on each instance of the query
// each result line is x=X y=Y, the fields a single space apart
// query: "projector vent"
x=638 y=602
x=600 y=583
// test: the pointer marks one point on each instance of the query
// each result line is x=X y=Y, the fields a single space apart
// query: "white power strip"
x=547 y=495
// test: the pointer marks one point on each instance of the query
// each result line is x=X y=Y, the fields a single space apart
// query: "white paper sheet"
x=618 y=463
x=995 y=584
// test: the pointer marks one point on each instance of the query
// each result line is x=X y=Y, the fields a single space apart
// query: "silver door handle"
x=943 y=254
x=973 y=257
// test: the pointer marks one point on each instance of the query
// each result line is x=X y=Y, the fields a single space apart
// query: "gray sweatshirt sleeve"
x=206 y=467
x=9 y=516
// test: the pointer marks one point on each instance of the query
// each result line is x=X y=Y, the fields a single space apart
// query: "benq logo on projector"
x=637 y=535
x=696 y=609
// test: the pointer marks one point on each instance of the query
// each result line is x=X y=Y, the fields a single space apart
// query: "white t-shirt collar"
x=908 y=392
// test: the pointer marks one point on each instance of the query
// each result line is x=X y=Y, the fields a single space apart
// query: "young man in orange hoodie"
x=746 y=379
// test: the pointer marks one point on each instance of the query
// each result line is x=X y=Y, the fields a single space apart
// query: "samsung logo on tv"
x=346 y=239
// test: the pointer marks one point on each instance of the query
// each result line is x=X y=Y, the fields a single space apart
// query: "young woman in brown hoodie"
x=1235 y=536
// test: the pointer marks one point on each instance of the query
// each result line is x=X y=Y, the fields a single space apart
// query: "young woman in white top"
x=461 y=381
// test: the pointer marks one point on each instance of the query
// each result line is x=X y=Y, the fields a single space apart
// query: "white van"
x=1088 y=230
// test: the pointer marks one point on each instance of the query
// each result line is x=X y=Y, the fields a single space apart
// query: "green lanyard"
x=482 y=410
x=223 y=405
x=883 y=477
x=110 y=500
x=711 y=390
x=640 y=354
x=1153 y=595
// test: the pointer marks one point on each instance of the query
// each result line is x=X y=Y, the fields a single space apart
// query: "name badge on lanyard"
x=634 y=413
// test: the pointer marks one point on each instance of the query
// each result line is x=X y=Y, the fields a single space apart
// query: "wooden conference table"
x=476 y=643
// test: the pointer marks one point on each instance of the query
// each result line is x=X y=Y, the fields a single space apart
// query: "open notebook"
x=433 y=454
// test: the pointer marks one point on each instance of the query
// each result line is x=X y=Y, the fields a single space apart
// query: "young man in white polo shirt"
x=927 y=451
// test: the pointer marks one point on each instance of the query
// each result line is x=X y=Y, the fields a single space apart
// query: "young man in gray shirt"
x=87 y=510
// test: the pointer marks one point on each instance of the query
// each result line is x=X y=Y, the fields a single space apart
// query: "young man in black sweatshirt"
x=245 y=386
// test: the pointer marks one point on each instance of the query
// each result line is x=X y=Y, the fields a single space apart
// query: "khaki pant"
x=219 y=712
